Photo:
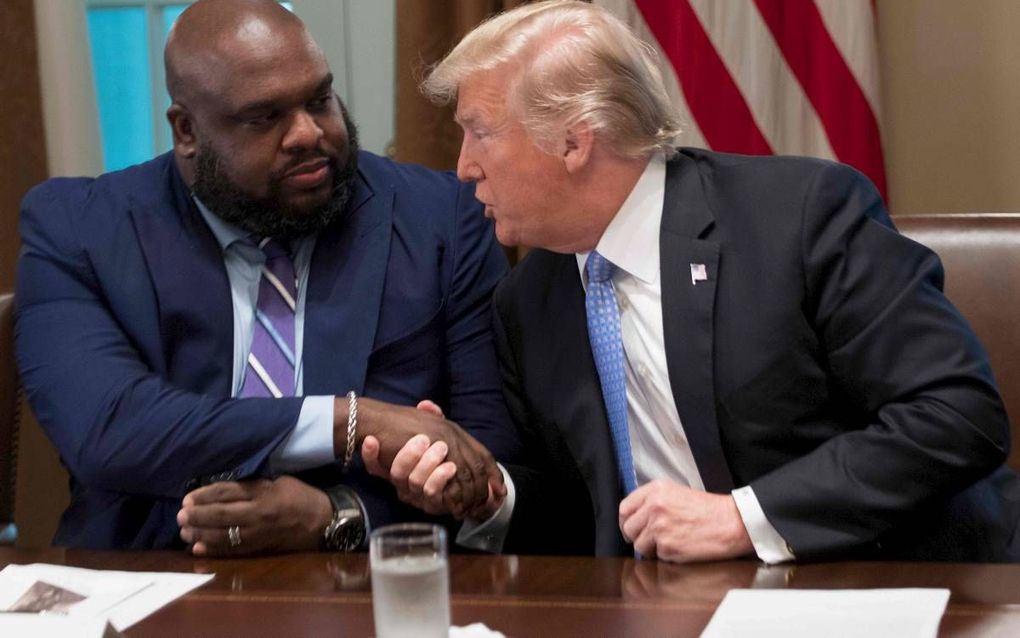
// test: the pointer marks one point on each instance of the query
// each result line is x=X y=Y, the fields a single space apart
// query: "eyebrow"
x=469 y=118
x=320 y=88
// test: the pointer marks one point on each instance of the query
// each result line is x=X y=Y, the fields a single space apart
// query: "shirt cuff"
x=770 y=547
x=310 y=443
x=489 y=535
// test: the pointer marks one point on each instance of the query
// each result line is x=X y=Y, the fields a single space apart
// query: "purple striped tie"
x=270 y=369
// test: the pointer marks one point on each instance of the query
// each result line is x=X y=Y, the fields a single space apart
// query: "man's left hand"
x=283 y=515
x=675 y=523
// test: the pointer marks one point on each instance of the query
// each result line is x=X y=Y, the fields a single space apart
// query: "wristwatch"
x=345 y=532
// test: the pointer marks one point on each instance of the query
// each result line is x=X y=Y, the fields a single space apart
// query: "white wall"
x=358 y=38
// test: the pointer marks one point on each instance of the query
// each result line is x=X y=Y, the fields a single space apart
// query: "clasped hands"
x=427 y=474
x=433 y=464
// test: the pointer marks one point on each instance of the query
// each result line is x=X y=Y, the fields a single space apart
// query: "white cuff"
x=768 y=544
x=310 y=443
x=489 y=535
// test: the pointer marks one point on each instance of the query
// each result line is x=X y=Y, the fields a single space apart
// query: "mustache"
x=302 y=161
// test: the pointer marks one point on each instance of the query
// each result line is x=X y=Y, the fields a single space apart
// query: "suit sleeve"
x=475 y=398
x=117 y=424
x=548 y=517
x=903 y=355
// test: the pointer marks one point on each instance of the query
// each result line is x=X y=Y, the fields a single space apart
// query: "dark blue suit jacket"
x=124 y=336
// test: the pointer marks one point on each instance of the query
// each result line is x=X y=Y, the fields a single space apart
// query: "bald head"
x=260 y=136
x=214 y=40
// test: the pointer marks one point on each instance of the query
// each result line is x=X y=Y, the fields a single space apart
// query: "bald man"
x=208 y=338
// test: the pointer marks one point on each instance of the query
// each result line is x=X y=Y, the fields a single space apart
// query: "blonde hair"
x=572 y=62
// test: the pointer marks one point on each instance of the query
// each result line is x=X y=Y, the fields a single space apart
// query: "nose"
x=304 y=132
x=468 y=170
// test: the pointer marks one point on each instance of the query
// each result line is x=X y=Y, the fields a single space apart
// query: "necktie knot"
x=274 y=248
x=599 y=268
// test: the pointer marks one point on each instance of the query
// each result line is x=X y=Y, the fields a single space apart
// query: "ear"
x=183 y=126
x=578 y=147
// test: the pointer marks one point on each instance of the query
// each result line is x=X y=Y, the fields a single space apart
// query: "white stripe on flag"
x=256 y=365
x=772 y=57
x=851 y=24
x=273 y=279
x=627 y=10
x=776 y=99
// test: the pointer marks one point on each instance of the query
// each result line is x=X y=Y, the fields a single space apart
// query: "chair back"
x=10 y=410
x=981 y=256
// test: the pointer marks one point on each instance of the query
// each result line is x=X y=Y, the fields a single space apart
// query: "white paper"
x=843 y=613
x=45 y=626
x=123 y=598
x=474 y=630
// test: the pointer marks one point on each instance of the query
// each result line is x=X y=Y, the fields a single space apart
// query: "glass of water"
x=410 y=581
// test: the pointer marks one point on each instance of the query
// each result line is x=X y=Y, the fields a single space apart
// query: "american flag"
x=792 y=77
x=698 y=273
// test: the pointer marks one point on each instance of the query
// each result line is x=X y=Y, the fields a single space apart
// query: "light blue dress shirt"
x=310 y=444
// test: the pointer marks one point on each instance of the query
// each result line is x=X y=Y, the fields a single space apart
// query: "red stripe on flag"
x=714 y=100
x=831 y=87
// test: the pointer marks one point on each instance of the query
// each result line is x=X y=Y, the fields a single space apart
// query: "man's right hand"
x=393 y=426
x=420 y=475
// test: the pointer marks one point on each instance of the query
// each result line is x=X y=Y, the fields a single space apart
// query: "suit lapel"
x=195 y=319
x=687 y=313
x=345 y=287
x=580 y=412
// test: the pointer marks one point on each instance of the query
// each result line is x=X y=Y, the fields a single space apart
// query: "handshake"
x=433 y=464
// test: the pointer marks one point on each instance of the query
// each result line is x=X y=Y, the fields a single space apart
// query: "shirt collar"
x=224 y=232
x=631 y=241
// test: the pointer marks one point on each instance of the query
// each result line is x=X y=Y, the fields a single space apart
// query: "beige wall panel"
x=951 y=104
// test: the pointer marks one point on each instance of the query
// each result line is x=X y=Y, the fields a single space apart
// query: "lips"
x=485 y=205
x=308 y=175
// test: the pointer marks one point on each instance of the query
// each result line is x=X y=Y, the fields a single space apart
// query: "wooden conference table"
x=329 y=595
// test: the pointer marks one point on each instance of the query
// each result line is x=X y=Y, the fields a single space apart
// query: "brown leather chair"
x=33 y=483
x=981 y=256
x=10 y=404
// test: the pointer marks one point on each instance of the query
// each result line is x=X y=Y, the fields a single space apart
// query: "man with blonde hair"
x=709 y=355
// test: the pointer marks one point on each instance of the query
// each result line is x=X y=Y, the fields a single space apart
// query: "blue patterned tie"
x=607 y=347
x=270 y=369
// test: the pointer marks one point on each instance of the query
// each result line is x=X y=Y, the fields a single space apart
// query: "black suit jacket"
x=820 y=363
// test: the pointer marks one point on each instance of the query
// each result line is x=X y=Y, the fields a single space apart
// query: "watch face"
x=350 y=533
x=346 y=531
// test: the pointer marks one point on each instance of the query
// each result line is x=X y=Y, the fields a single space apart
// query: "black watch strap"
x=345 y=532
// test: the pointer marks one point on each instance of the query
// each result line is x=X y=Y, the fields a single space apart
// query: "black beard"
x=268 y=216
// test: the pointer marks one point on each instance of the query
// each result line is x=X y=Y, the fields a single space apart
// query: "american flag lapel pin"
x=698 y=273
